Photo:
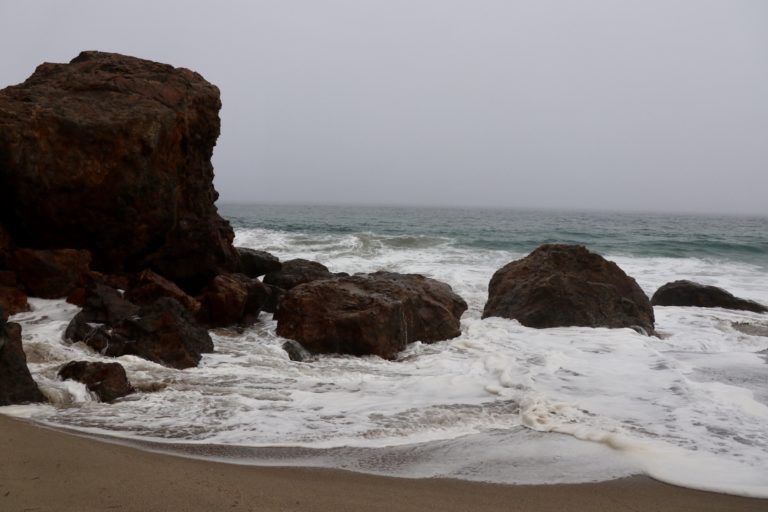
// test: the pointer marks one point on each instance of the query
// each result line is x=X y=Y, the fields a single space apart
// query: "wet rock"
x=688 y=293
x=105 y=305
x=107 y=380
x=561 y=285
x=113 y=154
x=12 y=299
x=377 y=314
x=751 y=329
x=275 y=295
x=51 y=274
x=231 y=299
x=255 y=263
x=295 y=351
x=16 y=383
x=150 y=286
x=296 y=272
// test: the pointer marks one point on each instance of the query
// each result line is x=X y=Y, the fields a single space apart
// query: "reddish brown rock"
x=688 y=293
x=150 y=286
x=107 y=380
x=51 y=274
x=567 y=285
x=377 y=314
x=113 y=154
x=16 y=383
x=12 y=301
x=231 y=299
x=296 y=272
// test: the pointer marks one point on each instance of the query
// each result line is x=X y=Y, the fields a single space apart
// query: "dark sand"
x=47 y=470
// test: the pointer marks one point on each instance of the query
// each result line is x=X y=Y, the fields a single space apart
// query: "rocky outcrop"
x=150 y=286
x=164 y=331
x=255 y=263
x=296 y=272
x=688 y=293
x=51 y=274
x=273 y=300
x=375 y=314
x=107 y=380
x=112 y=154
x=16 y=383
x=12 y=299
x=231 y=299
x=567 y=285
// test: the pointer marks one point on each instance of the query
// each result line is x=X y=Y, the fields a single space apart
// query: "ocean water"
x=501 y=403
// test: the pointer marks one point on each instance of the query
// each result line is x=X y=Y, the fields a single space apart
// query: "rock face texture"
x=255 y=263
x=231 y=299
x=12 y=299
x=376 y=314
x=149 y=286
x=112 y=154
x=16 y=383
x=51 y=274
x=296 y=272
x=688 y=293
x=567 y=285
x=107 y=380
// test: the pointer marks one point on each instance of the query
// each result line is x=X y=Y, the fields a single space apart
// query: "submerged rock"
x=561 y=285
x=376 y=314
x=688 y=293
x=296 y=272
x=113 y=154
x=255 y=263
x=16 y=383
x=107 y=380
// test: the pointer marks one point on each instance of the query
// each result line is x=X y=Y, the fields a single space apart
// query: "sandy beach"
x=48 y=470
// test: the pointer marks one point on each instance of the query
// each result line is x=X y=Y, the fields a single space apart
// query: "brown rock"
x=273 y=300
x=376 y=314
x=107 y=380
x=255 y=263
x=113 y=154
x=51 y=274
x=12 y=301
x=150 y=286
x=16 y=383
x=231 y=299
x=296 y=272
x=688 y=293
x=567 y=285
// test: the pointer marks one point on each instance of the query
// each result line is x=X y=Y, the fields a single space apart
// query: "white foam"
x=501 y=403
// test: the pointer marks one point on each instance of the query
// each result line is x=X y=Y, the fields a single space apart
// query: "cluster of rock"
x=107 y=200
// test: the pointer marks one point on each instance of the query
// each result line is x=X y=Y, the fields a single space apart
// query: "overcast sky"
x=645 y=105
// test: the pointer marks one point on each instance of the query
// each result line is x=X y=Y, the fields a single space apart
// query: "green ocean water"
x=730 y=238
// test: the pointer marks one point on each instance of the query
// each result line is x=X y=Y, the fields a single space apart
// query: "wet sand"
x=47 y=470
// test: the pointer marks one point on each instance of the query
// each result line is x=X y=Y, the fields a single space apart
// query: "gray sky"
x=645 y=105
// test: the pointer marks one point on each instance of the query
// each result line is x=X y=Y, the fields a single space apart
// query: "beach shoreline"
x=47 y=469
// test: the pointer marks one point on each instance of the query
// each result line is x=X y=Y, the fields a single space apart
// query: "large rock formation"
x=688 y=293
x=113 y=154
x=51 y=274
x=16 y=383
x=107 y=380
x=567 y=285
x=255 y=263
x=375 y=314
x=231 y=299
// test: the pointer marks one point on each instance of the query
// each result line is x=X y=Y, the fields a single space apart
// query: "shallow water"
x=502 y=402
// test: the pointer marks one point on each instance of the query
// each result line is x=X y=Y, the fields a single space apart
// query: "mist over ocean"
x=502 y=402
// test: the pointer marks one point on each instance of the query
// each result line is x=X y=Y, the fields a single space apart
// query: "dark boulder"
x=150 y=286
x=107 y=380
x=16 y=383
x=295 y=351
x=12 y=299
x=255 y=263
x=273 y=300
x=688 y=293
x=296 y=272
x=105 y=305
x=113 y=154
x=231 y=299
x=566 y=285
x=377 y=314
x=51 y=274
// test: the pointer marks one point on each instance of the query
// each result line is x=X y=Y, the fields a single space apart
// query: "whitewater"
x=502 y=402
